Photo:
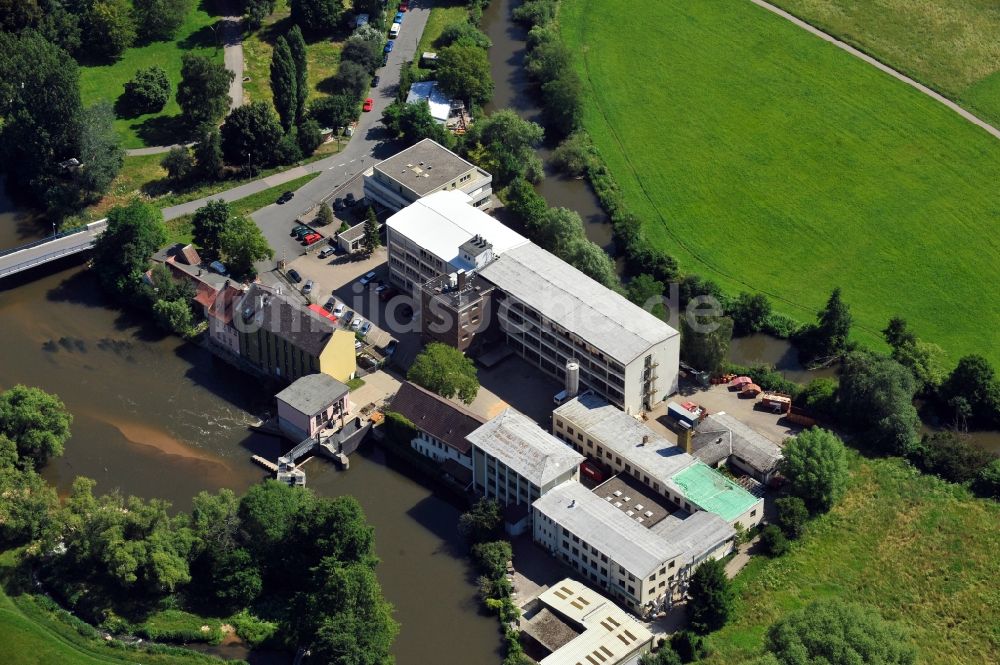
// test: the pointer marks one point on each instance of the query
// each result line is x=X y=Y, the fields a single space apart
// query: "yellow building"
x=287 y=341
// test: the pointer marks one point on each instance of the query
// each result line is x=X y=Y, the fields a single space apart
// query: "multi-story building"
x=310 y=405
x=286 y=341
x=442 y=426
x=626 y=542
x=442 y=234
x=620 y=442
x=423 y=169
x=455 y=309
x=552 y=313
x=515 y=461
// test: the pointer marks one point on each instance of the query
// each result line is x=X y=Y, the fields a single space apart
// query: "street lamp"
x=53 y=228
x=249 y=167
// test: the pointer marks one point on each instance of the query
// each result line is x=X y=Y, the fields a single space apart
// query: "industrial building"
x=625 y=445
x=574 y=625
x=423 y=169
x=515 y=461
x=443 y=234
x=552 y=313
x=719 y=439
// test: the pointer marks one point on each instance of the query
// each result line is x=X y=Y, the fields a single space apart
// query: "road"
x=367 y=146
x=880 y=65
x=49 y=249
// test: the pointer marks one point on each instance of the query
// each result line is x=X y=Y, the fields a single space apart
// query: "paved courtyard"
x=517 y=384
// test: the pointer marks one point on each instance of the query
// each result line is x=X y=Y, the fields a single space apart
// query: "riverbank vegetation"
x=797 y=202
x=949 y=45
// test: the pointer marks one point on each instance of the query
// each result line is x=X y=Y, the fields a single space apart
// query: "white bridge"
x=40 y=252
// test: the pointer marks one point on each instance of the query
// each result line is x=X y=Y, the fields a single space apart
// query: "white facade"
x=438 y=450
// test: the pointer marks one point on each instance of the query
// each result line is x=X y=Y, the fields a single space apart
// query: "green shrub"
x=254 y=630
x=766 y=377
x=773 y=541
x=792 y=515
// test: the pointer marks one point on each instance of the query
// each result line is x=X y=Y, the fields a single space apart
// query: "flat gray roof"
x=696 y=534
x=597 y=522
x=424 y=166
x=312 y=393
x=526 y=448
x=577 y=303
x=712 y=438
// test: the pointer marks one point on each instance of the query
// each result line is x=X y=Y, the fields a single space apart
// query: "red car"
x=311 y=238
x=403 y=6
x=368 y=104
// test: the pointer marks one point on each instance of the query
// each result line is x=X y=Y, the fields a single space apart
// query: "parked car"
x=356 y=323
x=299 y=229
x=387 y=293
x=217 y=266
x=339 y=309
x=375 y=81
x=285 y=197
x=302 y=233
x=388 y=47
x=348 y=317
x=390 y=348
x=312 y=238
x=404 y=6
x=329 y=251
x=294 y=275
x=338 y=204
x=358 y=345
x=365 y=327
x=367 y=278
x=349 y=200
x=330 y=304
x=369 y=103
x=399 y=17
x=307 y=289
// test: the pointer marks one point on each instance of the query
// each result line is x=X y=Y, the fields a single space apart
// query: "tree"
x=324 y=216
x=41 y=121
x=827 y=339
x=974 y=380
x=987 y=483
x=815 y=464
x=445 y=370
x=750 y=313
x=351 y=79
x=36 y=422
x=335 y=110
x=158 y=20
x=52 y=19
x=268 y=513
x=121 y=253
x=414 y=123
x=29 y=510
x=508 y=144
x=203 y=93
x=591 y=259
x=179 y=163
x=309 y=136
x=493 y=557
x=208 y=152
x=207 y=226
x=710 y=597
x=876 y=396
x=174 y=315
x=897 y=333
x=364 y=52
x=284 y=83
x=317 y=16
x=297 y=48
x=773 y=541
x=923 y=359
x=371 y=241
x=252 y=133
x=574 y=155
x=689 y=647
x=108 y=27
x=665 y=655
x=792 y=515
x=256 y=11
x=820 y=398
x=482 y=522
x=243 y=245
x=100 y=153
x=645 y=291
x=705 y=342
x=463 y=71
x=833 y=632
x=147 y=92
x=562 y=107
x=950 y=456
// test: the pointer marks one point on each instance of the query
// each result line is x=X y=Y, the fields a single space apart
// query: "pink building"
x=311 y=404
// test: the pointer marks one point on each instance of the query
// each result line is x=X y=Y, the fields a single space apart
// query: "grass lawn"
x=32 y=635
x=950 y=45
x=921 y=551
x=322 y=55
x=766 y=159
x=106 y=82
x=442 y=15
x=179 y=229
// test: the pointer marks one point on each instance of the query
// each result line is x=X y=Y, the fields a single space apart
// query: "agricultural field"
x=949 y=45
x=919 y=550
x=767 y=159
x=106 y=82
x=322 y=55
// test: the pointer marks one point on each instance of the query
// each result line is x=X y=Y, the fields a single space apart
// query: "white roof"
x=429 y=91
x=627 y=437
x=526 y=448
x=595 y=521
x=608 y=633
x=566 y=296
x=695 y=535
x=441 y=222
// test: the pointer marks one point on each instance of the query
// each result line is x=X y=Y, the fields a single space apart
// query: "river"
x=156 y=417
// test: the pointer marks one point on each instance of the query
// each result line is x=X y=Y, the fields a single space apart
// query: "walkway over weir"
x=40 y=252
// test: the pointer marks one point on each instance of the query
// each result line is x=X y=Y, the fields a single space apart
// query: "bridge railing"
x=42 y=241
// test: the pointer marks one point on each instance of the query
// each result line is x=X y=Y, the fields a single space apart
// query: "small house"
x=313 y=403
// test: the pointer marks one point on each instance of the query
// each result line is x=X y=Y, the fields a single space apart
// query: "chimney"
x=684 y=439
x=645 y=439
x=462 y=277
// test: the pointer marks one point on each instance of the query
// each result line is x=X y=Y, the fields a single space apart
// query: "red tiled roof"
x=224 y=304
x=439 y=417
x=205 y=295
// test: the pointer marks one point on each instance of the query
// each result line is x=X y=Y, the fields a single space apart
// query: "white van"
x=394 y=30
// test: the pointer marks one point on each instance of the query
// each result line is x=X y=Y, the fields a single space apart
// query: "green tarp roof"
x=713 y=491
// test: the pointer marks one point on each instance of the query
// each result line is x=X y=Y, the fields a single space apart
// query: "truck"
x=591 y=470
x=683 y=415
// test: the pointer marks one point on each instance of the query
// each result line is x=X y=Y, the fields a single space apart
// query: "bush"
x=492 y=557
x=482 y=522
x=773 y=541
x=815 y=464
x=766 y=377
x=309 y=137
x=147 y=92
x=179 y=163
x=987 y=483
x=792 y=515
x=254 y=630
x=688 y=646
x=336 y=110
x=820 y=398
x=950 y=456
